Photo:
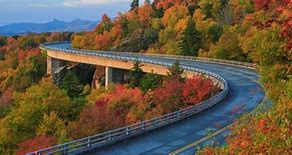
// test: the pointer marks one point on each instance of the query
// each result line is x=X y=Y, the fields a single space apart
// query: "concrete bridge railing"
x=106 y=138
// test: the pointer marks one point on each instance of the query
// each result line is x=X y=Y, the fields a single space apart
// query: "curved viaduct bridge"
x=241 y=94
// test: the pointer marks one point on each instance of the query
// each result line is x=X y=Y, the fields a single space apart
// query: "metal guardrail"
x=202 y=59
x=115 y=135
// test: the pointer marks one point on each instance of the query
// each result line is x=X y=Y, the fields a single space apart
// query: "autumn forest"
x=36 y=113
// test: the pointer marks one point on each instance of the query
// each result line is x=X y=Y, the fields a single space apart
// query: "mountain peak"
x=53 y=26
x=56 y=21
x=77 y=20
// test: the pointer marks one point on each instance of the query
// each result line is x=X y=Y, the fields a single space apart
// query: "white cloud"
x=75 y=3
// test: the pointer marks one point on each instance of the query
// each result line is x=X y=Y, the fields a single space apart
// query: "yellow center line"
x=200 y=140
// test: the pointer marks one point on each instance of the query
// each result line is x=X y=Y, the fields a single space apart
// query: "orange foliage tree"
x=36 y=143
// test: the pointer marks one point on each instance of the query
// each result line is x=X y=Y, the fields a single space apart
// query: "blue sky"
x=13 y=11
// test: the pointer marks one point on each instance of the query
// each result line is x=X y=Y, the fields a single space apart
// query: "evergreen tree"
x=175 y=71
x=135 y=75
x=125 y=26
x=191 y=41
x=72 y=85
x=215 y=32
x=134 y=4
x=2 y=55
x=3 y=41
x=151 y=81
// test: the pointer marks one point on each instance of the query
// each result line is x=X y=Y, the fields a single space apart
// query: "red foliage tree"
x=262 y=4
x=108 y=113
x=36 y=143
x=197 y=89
x=169 y=97
x=122 y=99
x=93 y=120
x=22 y=54
x=6 y=98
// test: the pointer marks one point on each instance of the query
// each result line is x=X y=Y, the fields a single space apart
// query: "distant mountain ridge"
x=77 y=25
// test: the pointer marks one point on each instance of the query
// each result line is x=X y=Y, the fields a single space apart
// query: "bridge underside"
x=103 y=75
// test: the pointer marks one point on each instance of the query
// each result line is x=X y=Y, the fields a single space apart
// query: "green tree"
x=76 y=107
x=208 y=10
x=211 y=9
x=150 y=81
x=124 y=26
x=175 y=71
x=150 y=37
x=215 y=31
x=136 y=74
x=52 y=125
x=27 y=73
x=191 y=41
x=3 y=41
x=134 y=4
x=2 y=55
x=104 y=25
x=158 y=13
x=28 y=43
x=228 y=47
x=38 y=67
x=72 y=85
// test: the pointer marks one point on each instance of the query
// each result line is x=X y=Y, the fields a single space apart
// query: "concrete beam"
x=127 y=65
x=117 y=64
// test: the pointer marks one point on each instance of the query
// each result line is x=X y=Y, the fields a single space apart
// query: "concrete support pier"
x=115 y=75
x=108 y=75
x=53 y=64
x=98 y=77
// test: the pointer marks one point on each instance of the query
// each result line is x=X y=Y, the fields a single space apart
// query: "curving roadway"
x=244 y=95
